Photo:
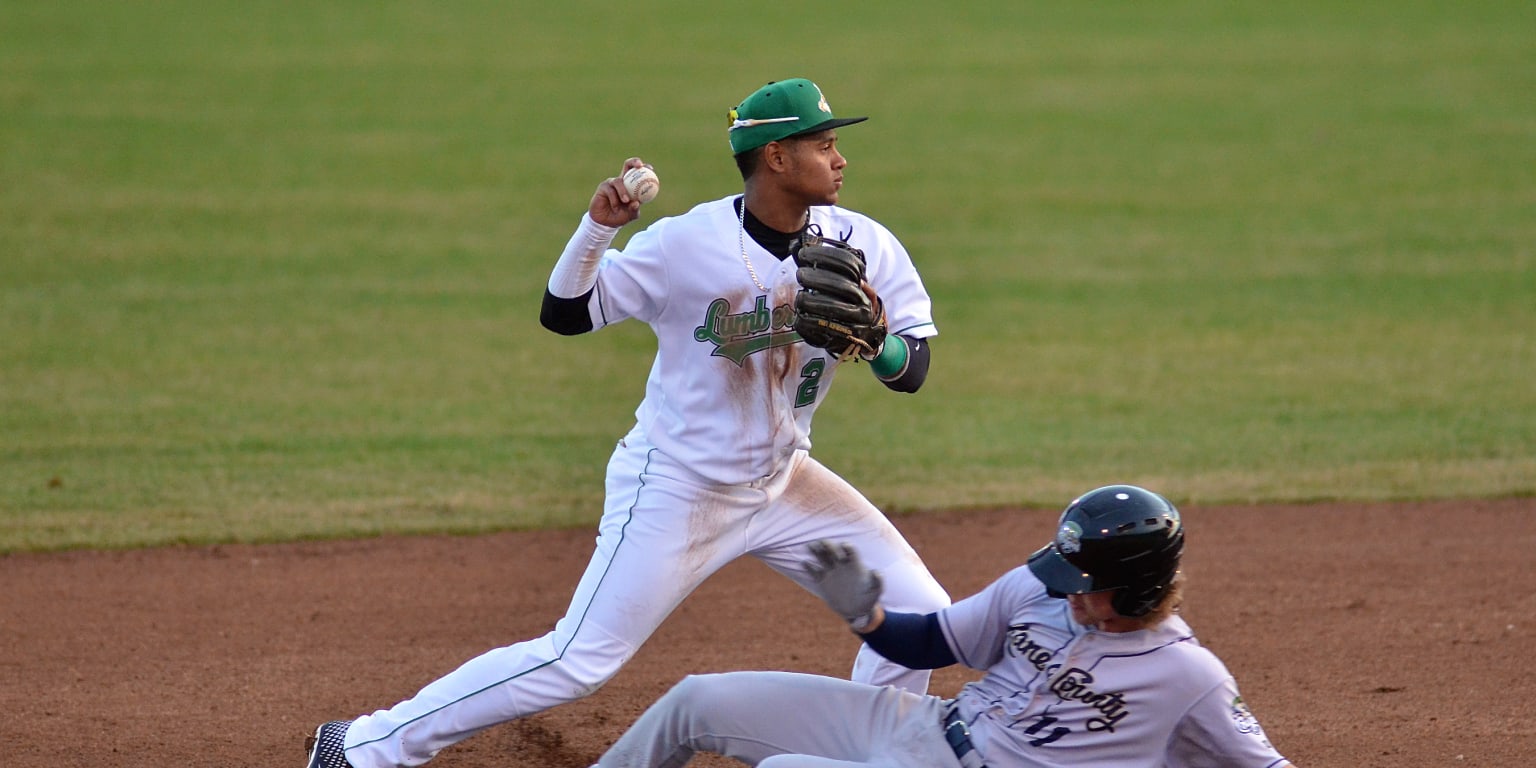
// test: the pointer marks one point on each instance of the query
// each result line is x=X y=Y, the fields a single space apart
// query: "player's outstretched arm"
x=852 y=591
x=565 y=308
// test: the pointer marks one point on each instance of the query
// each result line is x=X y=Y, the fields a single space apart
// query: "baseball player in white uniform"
x=717 y=464
x=1086 y=665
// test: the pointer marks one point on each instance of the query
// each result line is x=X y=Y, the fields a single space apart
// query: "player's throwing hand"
x=612 y=205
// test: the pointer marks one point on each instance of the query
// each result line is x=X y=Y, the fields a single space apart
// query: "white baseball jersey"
x=687 y=278
x=1060 y=694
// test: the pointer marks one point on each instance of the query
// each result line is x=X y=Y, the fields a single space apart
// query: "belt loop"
x=957 y=733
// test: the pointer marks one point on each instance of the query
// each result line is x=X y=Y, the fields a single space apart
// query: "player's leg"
x=810 y=761
x=817 y=504
x=784 y=716
x=648 y=558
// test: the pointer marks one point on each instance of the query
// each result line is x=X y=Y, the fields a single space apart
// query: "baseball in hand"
x=642 y=184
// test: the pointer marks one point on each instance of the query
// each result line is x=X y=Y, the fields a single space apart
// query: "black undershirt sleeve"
x=567 y=317
x=913 y=640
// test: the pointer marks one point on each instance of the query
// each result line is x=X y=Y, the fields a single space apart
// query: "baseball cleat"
x=327 y=748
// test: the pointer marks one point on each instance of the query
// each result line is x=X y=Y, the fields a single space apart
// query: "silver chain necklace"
x=741 y=241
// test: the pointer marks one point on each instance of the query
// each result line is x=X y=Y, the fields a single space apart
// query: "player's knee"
x=790 y=761
x=698 y=692
x=589 y=670
x=689 y=689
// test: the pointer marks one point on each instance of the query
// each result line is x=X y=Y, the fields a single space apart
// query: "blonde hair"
x=1173 y=597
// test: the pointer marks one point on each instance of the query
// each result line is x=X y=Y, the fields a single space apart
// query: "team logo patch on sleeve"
x=1244 y=721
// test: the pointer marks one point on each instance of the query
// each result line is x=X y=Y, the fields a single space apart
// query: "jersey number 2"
x=810 y=382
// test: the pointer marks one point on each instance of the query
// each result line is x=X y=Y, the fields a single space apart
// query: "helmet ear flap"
x=1137 y=603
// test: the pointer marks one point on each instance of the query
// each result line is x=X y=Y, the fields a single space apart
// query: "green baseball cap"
x=780 y=110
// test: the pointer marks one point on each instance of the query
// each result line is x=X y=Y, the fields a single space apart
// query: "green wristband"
x=892 y=359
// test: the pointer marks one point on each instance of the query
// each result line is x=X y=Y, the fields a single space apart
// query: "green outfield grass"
x=272 y=270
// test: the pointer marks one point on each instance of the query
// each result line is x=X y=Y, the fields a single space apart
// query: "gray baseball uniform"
x=1055 y=694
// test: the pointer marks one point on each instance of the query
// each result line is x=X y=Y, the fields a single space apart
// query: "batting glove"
x=843 y=583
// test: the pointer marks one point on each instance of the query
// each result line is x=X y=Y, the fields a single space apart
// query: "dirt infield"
x=1361 y=635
